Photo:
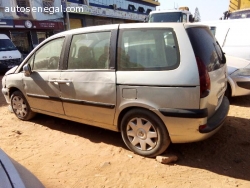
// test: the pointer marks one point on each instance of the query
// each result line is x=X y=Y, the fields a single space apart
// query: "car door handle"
x=60 y=81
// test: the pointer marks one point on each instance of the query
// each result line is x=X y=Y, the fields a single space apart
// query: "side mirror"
x=191 y=19
x=146 y=19
x=27 y=70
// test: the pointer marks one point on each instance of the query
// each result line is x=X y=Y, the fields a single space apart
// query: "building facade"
x=28 y=22
x=82 y=13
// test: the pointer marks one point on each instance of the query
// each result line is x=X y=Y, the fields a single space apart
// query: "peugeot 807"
x=156 y=83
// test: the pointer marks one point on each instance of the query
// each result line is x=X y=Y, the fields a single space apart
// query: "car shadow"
x=243 y=101
x=225 y=153
x=94 y=134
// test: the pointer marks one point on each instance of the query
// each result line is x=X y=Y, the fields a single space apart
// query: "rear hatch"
x=211 y=65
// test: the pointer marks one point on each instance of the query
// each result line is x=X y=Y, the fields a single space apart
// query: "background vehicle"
x=181 y=15
x=233 y=36
x=238 y=76
x=238 y=9
x=156 y=83
x=9 y=54
x=12 y=174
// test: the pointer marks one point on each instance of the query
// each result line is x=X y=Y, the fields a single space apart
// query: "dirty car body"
x=144 y=80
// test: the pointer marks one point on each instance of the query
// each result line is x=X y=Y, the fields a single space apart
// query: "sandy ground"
x=64 y=154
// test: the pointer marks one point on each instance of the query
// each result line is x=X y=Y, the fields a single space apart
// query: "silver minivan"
x=156 y=83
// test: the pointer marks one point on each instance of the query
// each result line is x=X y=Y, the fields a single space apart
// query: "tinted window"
x=48 y=56
x=89 y=51
x=147 y=49
x=166 y=17
x=206 y=47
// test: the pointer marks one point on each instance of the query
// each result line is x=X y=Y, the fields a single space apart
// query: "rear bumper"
x=218 y=118
x=184 y=127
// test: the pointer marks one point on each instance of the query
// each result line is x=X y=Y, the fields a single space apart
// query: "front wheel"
x=144 y=133
x=20 y=106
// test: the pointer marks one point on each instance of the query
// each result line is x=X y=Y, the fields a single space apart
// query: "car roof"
x=123 y=26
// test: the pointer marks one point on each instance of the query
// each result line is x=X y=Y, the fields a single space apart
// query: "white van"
x=233 y=36
x=9 y=54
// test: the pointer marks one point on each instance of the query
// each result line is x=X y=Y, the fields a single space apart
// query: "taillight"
x=204 y=78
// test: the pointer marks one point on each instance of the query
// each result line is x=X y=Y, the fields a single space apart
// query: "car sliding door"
x=89 y=90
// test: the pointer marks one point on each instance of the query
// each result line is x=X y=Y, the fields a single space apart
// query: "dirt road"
x=64 y=154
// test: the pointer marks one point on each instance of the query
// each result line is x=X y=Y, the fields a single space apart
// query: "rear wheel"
x=20 y=106
x=144 y=133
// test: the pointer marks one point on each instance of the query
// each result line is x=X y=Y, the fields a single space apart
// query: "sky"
x=209 y=9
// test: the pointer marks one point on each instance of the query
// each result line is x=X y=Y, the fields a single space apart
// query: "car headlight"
x=242 y=72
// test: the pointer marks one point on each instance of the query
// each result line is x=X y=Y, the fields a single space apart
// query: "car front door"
x=89 y=90
x=41 y=88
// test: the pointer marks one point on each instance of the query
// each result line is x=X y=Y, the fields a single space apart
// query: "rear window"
x=206 y=47
x=147 y=49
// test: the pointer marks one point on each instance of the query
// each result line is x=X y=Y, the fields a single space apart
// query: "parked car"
x=9 y=54
x=12 y=174
x=156 y=83
x=238 y=76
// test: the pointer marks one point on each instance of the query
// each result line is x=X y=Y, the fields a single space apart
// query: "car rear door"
x=88 y=85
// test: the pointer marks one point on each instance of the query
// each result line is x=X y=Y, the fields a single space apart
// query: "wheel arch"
x=12 y=90
x=231 y=86
x=125 y=110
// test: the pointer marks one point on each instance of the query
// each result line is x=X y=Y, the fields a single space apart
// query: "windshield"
x=166 y=17
x=6 y=45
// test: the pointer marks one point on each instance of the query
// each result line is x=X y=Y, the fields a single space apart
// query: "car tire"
x=228 y=92
x=144 y=133
x=20 y=106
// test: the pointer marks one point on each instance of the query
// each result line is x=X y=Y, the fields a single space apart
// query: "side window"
x=184 y=18
x=90 y=51
x=147 y=49
x=47 y=57
x=213 y=30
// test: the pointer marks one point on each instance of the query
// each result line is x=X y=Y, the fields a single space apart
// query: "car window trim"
x=60 y=59
x=112 y=48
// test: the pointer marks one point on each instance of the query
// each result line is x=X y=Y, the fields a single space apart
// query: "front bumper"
x=240 y=85
x=6 y=94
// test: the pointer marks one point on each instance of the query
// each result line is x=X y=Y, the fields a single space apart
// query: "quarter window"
x=148 y=49
x=90 y=51
x=47 y=57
